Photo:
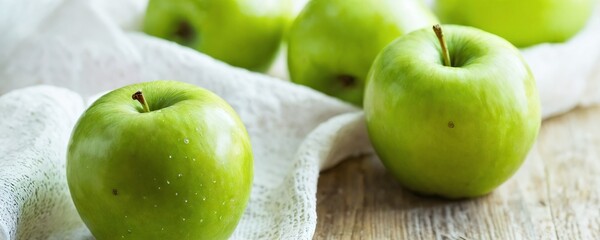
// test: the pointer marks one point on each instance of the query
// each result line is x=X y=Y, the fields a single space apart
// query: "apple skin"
x=453 y=132
x=332 y=43
x=243 y=33
x=523 y=23
x=181 y=171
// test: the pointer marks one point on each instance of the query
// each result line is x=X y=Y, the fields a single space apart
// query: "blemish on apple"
x=115 y=192
x=451 y=124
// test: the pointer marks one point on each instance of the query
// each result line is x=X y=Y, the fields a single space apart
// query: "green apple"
x=333 y=43
x=243 y=33
x=176 y=165
x=523 y=23
x=453 y=120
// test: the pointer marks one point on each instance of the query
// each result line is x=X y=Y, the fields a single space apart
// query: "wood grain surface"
x=554 y=195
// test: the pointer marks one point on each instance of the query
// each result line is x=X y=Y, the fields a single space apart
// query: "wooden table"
x=555 y=195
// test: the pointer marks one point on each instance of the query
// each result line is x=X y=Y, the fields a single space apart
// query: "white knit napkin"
x=86 y=46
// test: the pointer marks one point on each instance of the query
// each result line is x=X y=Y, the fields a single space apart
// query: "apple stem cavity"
x=140 y=97
x=440 y=35
x=346 y=80
x=186 y=32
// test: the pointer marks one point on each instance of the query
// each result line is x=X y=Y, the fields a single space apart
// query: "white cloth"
x=91 y=47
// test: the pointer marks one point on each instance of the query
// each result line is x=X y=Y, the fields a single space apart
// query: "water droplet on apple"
x=223 y=203
x=125 y=216
x=129 y=230
x=158 y=188
x=176 y=194
x=200 y=184
x=170 y=156
x=195 y=193
x=220 y=217
x=168 y=182
x=185 y=201
x=183 y=219
x=162 y=229
x=196 y=129
x=122 y=236
x=193 y=159
x=186 y=141
x=203 y=198
x=180 y=175
x=214 y=181
x=215 y=212
x=155 y=205
x=201 y=220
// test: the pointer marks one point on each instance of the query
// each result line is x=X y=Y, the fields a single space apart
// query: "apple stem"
x=140 y=97
x=440 y=35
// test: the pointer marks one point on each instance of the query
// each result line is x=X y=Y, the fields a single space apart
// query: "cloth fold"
x=91 y=47
x=35 y=126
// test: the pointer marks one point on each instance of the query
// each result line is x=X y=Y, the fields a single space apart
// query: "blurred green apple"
x=179 y=167
x=332 y=43
x=454 y=121
x=523 y=23
x=243 y=33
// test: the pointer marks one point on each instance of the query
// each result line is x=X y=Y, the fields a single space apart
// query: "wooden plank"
x=555 y=195
x=571 y=149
